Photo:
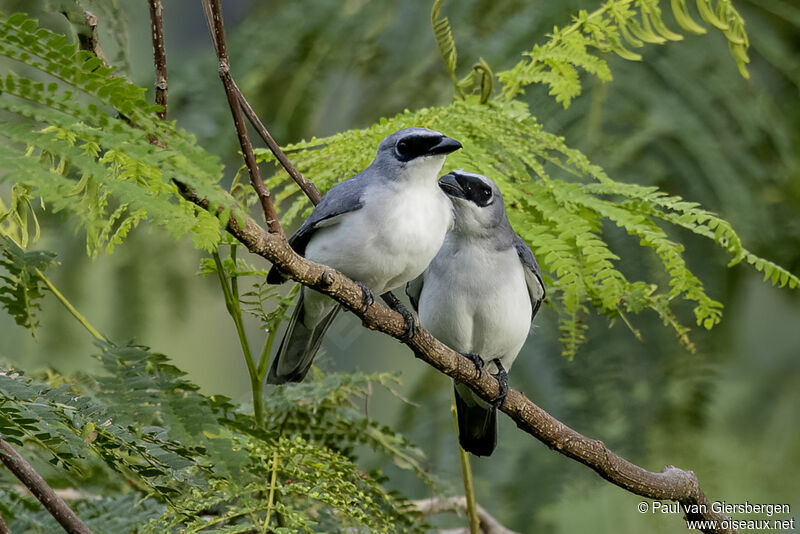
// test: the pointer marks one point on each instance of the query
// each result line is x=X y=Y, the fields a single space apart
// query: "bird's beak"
x=451 y=187
x=445 y=146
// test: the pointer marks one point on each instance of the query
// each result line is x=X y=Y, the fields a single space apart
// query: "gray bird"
x=478 y=296
x=381 y=228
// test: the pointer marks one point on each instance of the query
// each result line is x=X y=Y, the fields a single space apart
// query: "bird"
x=479 y=296
x=380 y=228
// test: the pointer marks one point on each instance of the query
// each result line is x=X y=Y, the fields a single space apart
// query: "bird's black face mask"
x=468 y=187
x=418 y=145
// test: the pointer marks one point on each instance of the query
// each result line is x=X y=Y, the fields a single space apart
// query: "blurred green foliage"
x=682 y=119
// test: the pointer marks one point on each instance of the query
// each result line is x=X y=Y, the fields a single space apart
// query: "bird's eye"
x=402 y=147
x=486 y=194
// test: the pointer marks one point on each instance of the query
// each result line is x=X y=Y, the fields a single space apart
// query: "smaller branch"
x=438 y=505
x=3 y=526
x=213 y=11
x=41 y=490
x=85 y=23
x=304 y=183
x=159 y=54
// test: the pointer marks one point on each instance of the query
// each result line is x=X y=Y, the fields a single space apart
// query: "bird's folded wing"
x=414 y=289
x=533 y=275
x=343 y=198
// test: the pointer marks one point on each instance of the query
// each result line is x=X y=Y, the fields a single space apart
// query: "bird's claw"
x=366 y=297
x=476 y=360
x=502 y=383
x=411 y=323
x=396 y=305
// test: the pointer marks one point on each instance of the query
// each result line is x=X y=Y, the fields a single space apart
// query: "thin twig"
x=306 y=185
x=41 y=490
x=438 y=505
x=70 y=308
x=159 y=54
x=213 y=11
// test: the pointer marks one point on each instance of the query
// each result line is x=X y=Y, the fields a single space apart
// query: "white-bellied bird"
x=478 y=296
x=381 y=228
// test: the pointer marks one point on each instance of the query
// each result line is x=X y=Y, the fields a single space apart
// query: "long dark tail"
x=477 y=423
x=298 y=346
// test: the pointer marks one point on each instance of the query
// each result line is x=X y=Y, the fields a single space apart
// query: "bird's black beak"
x=445 y=145
x=451 y=187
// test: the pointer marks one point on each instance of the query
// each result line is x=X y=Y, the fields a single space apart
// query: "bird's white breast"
x=391 y=239
x=475 y=300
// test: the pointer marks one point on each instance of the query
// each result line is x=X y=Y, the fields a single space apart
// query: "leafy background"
x=682 y=119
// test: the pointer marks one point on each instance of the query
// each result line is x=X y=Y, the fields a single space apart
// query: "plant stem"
x=231 y=293
x=262 y=363
x=466 y=472
x=70 y=308
x=275 y=462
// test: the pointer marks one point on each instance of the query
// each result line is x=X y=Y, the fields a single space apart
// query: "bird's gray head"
x=416 y=153
x=477 y=203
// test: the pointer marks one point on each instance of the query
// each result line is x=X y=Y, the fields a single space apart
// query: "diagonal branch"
x=41 y=490
x=671 y=483
x=159 y=54
x=3 y=526
x=213 y=11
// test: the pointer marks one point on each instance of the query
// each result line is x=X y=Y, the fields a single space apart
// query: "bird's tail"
x=298 y=346
x=477 y=422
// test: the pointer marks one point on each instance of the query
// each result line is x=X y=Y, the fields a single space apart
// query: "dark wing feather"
x=342 y=198
x=533 y=275
x=414 y=290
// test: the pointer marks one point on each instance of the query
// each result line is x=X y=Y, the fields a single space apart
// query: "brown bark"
x=41 y=490
x=213 y=11
x=159 y=54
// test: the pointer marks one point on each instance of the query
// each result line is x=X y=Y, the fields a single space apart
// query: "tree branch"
x=159 y=54
x=213 y=11
x=437 y=505
x=671 y=483
x=41 y=490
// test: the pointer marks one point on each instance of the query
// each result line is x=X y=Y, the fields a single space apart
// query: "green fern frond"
x=444 y=40
x=83 y=160
x=634 y=22
x=22 y=288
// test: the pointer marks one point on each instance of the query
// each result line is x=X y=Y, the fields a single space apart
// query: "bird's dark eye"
x=403 y=147
x=486 y=193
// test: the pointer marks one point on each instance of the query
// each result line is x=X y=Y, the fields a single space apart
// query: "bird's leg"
x=394 y=303
x=502 y=383
x=475 y=359
x=366 y=296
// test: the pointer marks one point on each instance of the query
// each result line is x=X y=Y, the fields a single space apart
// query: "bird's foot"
x=502 y=383
x=395 y=304
x=476 y=360
x=366 y=297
